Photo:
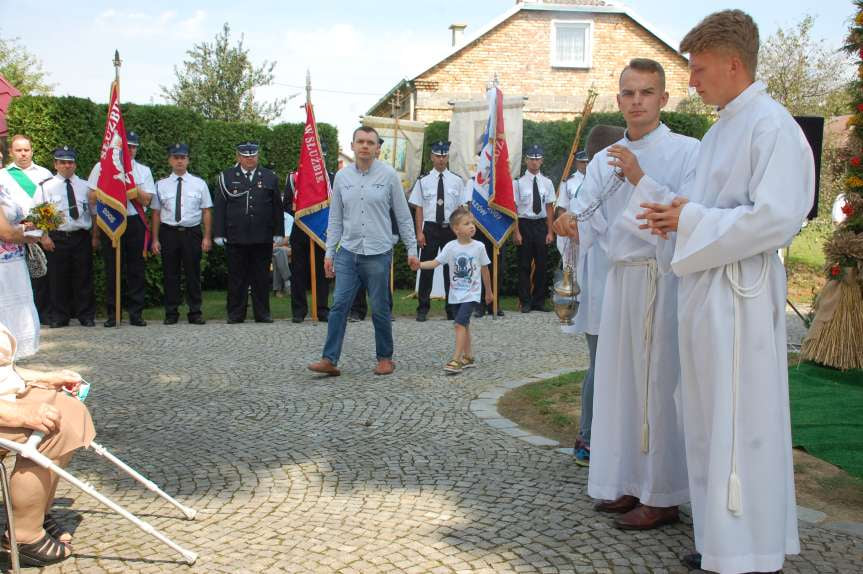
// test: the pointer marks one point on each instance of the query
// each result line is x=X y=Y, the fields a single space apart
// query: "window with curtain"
x=570 y=44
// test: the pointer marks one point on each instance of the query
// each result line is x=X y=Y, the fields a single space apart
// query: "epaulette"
x=47 y=179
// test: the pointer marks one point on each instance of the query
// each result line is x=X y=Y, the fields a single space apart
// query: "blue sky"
x=355 y=54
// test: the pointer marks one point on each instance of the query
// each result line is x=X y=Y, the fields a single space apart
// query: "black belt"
x=179 y=228
x=530 y=219
x=58 y=233
x=442 y=225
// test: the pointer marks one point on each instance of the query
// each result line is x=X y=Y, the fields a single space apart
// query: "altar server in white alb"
x=753 y=186
x=638 y=466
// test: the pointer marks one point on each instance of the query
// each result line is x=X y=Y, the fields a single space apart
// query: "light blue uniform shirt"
x=360 y=211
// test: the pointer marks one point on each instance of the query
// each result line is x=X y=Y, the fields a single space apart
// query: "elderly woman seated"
x=35 y=401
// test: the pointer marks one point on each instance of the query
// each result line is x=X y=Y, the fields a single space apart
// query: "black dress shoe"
x=525 y=309
x=197 y=321
x=500 y=312
x=87 y=322
x=170 y=321
x=235 y=321
x=479 y=313
x=297 y=319
x=421 y=317
x=540 y=308
x=264 y=320
x=692 y=561
x=110 y=323
x=137 y=321
x=58 y=324
x=323 y=318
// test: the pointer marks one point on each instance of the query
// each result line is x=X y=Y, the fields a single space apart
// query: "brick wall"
x=519 y=51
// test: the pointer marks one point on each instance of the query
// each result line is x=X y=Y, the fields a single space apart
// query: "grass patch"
x=550 y=408
x=214 y=306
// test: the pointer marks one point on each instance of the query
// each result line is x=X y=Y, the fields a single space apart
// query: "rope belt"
x=732 y=273
x=650 y=312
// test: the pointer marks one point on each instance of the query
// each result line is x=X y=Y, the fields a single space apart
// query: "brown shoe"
x=620 y=506
x=326 y=367
x=385 y=367
x=645 y=517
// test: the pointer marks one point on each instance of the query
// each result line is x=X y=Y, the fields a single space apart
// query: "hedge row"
x=51 y=122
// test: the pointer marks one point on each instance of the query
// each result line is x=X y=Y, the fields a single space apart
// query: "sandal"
x=47 y=550
x=453 y=367
x=53 y=527
x=467 y=362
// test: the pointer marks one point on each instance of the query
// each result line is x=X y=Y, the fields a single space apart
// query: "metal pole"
x=116 y=242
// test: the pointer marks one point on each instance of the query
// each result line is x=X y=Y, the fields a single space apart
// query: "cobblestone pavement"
x=293 y=473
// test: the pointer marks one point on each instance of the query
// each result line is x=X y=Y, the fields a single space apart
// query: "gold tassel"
x=645 y=436
x=734 y=495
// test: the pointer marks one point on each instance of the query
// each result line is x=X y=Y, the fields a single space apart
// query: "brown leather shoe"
x=326 y=367
x=623 y=504
x=644 y=517
x=385 y=367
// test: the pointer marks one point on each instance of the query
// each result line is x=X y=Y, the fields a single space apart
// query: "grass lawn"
x=805 y=265
x=404 y=305
x=825 y=406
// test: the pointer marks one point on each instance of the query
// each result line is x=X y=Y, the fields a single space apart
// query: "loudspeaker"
x=813 y=129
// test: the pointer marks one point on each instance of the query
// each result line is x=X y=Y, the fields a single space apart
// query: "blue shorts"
x=463 y=312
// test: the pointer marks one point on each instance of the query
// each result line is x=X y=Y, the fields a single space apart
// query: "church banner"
x=404 y=150
x=116 y=182
x=312 y=184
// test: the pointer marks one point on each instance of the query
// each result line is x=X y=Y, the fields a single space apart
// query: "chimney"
x=457 y=33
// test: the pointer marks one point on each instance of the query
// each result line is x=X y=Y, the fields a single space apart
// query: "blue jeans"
x=587 y=391
x=352 y=272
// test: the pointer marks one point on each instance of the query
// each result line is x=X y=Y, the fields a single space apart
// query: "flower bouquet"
x=45 y=217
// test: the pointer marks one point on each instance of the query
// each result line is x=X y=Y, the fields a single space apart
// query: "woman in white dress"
x=17 y=310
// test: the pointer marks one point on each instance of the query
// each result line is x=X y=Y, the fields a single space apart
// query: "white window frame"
x=588 y=49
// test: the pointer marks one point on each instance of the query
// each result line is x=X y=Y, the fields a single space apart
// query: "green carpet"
x=827 y=414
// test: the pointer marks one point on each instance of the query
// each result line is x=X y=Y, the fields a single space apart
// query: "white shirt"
x=570 y=190
x=37 y=175
x=196 y=198
x=143 y=181
x=465 y=269
x=524 y=195
x=54 y=190
x=424 y=194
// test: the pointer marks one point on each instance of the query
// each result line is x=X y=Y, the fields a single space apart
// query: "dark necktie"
x=438 y=214
x=70 y=198
x=178 y=202
x=249 y=177
x=537 y=203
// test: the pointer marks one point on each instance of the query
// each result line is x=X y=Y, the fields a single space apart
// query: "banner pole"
x=116 y=242
x=585 y=114
x=314 y=277
x=117 y=294
x=495 y=254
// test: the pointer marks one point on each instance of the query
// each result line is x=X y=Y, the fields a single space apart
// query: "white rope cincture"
x=732 y=273
x=650 y=313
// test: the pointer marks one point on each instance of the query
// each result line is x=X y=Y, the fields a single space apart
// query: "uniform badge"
x=440 y=202
x=260 y=184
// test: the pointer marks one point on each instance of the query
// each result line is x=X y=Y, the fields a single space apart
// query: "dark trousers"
x=301 y=278
x=70 y=277
x=181 y=247
x=42 y=296
x=249 y=266
x=533 y=249
x=436 y=237
x=132 y=268
x=489 y=249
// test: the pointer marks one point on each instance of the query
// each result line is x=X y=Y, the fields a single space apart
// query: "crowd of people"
x=682 y=301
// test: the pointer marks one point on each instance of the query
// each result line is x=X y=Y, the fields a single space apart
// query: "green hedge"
x=55 y=121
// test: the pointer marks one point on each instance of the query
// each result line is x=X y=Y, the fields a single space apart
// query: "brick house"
x=551 y=51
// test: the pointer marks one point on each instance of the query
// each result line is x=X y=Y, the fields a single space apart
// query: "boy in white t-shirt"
x=467 y=262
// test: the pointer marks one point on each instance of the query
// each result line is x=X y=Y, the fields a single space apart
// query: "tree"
x=695 y=105
x=218 y=81
x=803 y=74
x=22 y=69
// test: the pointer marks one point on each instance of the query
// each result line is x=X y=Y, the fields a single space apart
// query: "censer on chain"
x=566 y=287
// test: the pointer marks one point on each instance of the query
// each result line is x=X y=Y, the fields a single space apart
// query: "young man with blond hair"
x=638 y=463
x=753 y=186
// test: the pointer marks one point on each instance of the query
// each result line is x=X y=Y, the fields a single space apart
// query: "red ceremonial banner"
x=116 y=182
x=501 y=196
x=311 y=183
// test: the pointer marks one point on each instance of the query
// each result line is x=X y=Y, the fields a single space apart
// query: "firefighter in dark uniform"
x=301 y=279
x=247 y=219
